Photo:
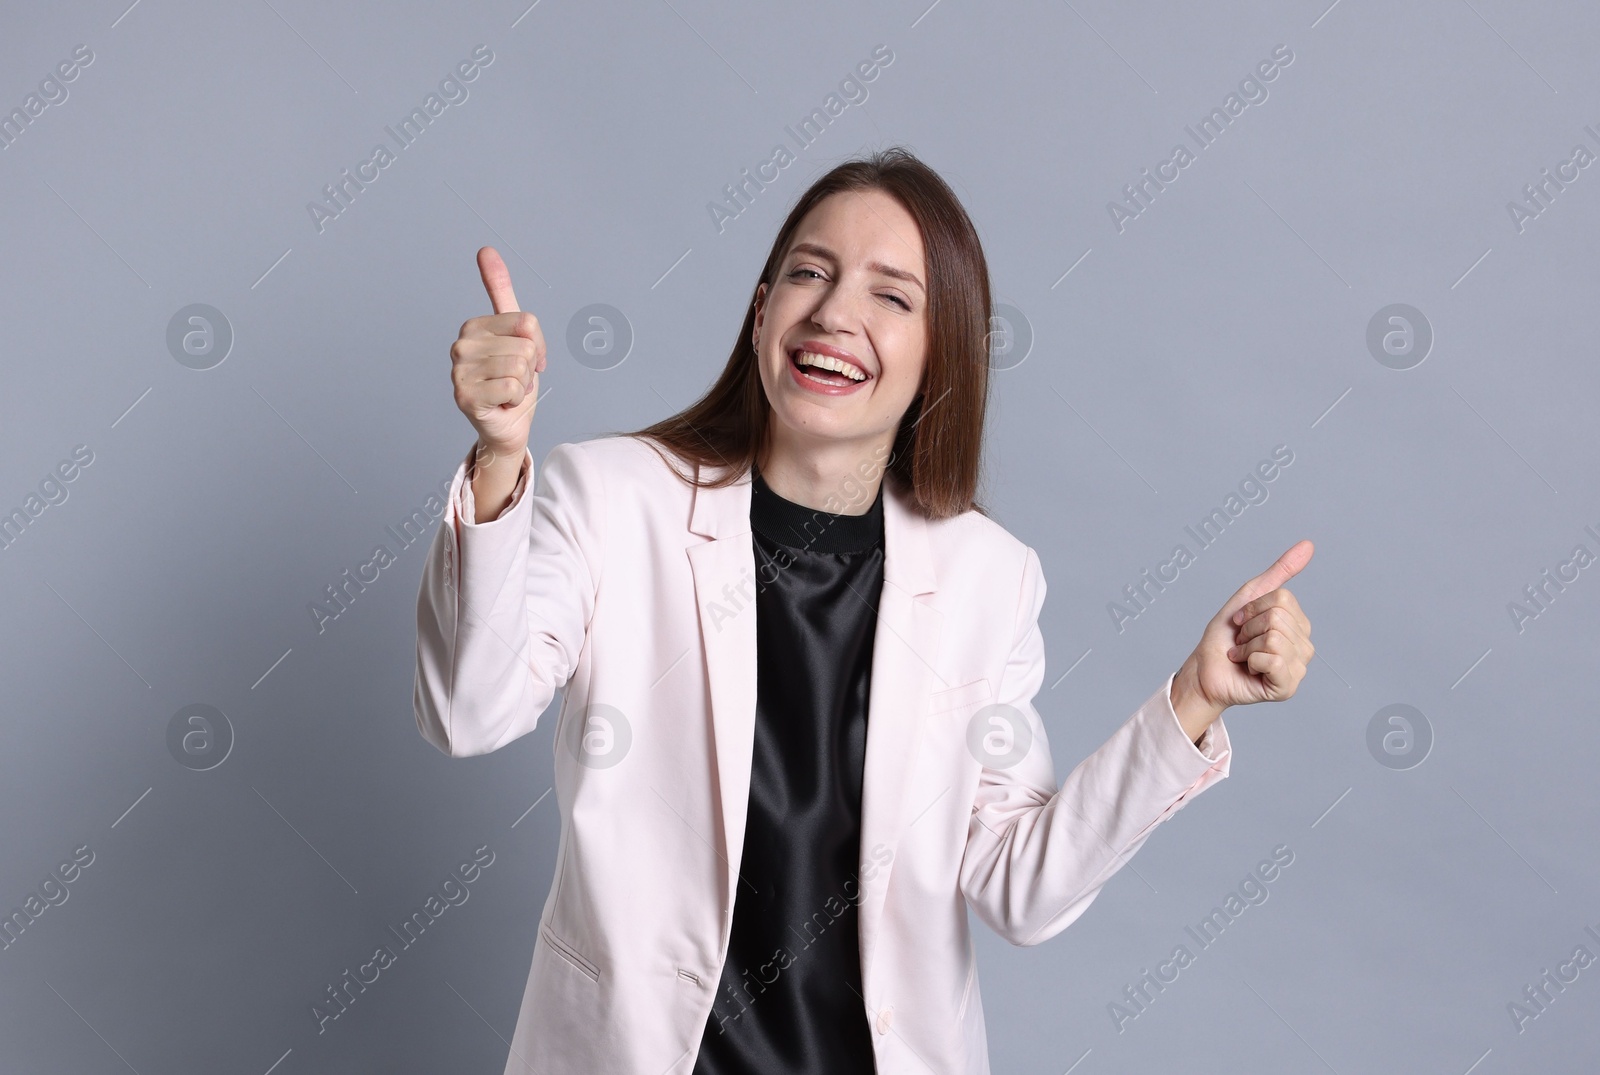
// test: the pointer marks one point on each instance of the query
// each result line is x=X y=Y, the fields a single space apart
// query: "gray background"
x=1229 y=318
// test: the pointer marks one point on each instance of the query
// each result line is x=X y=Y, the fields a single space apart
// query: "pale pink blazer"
x=622 y=586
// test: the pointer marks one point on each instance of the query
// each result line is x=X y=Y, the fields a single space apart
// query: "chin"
x=807 y=427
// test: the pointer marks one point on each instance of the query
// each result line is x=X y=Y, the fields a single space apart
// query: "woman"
x=797 y=738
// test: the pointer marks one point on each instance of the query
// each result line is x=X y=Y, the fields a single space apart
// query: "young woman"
x=797 y=739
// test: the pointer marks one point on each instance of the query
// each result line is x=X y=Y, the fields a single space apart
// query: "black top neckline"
x=808 y=529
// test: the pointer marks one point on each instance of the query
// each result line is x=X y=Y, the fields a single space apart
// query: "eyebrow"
x=876 y=266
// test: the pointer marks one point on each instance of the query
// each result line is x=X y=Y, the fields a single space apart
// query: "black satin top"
x=790 y=1000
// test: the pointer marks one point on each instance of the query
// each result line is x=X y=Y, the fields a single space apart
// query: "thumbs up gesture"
x=1255 y=649
x=495 y=365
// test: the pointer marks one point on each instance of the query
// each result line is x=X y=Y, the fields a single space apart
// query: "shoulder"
x=976 y=535
x=622 y=462
x=988 y=575
x=981 y=558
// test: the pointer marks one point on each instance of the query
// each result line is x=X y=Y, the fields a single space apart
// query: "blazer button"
x=885 y=1019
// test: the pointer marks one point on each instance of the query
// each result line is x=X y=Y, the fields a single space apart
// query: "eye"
x=904 y=305
x=797 y=272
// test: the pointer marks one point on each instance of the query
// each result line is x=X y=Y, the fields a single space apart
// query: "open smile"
x=825 y=373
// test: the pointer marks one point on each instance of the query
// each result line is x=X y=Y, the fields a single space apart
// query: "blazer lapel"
x=725 y=593
x=904 y=647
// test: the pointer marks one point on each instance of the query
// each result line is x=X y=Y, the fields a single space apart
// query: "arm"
x=1036 y=856
x=505 y=604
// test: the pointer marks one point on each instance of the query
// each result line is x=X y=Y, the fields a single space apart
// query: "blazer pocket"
x=968 y=694
x=570 y=954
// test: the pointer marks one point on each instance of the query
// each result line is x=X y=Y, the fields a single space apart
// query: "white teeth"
x=827 y=362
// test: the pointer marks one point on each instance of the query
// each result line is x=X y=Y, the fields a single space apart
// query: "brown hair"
x=937 y=447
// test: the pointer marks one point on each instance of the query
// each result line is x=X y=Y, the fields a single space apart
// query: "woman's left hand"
x=1255 y=649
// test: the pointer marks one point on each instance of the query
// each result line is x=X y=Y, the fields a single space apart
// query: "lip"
x=817 y=347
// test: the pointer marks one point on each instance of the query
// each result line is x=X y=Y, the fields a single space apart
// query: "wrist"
x=1194 y=710
x=497 y=457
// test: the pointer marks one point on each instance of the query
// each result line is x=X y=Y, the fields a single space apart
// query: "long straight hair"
x=938 y=443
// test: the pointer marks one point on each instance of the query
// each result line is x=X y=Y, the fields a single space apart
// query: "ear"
x=761 y=306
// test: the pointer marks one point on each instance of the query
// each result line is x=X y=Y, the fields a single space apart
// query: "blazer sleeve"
x=1036 y=856
x=505 y=604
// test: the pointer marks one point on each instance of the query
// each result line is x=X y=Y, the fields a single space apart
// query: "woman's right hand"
x=495 y=365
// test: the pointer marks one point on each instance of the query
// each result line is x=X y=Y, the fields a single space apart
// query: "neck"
x=840 y=477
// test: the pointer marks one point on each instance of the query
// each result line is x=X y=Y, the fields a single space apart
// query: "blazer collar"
x=907 y=556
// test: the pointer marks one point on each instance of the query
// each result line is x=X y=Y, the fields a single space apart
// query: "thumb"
x=497 y=281
x=1286 y=567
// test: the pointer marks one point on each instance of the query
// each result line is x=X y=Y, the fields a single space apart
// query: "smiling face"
x=851 y=288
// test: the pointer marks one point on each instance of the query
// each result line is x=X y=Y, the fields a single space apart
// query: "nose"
x=836 y=310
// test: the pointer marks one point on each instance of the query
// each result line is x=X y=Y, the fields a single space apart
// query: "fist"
x=495 y=364
x=1255 y=649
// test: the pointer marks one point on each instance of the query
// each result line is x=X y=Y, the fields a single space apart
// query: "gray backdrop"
x=218 y=401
